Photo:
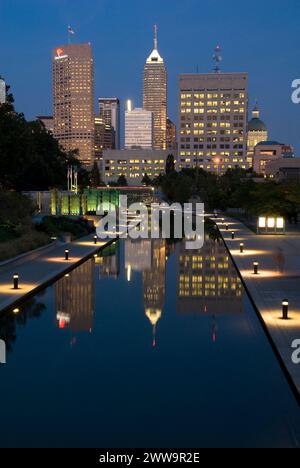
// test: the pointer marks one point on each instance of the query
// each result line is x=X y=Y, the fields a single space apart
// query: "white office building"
x=134 y=164
x=139 y=129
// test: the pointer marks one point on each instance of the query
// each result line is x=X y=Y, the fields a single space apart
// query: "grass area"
x=28 y=241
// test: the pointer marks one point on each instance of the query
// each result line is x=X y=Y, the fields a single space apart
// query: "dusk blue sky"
x=261 y=37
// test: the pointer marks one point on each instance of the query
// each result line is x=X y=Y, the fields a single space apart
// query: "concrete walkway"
x=46 y=266
x=278 y=279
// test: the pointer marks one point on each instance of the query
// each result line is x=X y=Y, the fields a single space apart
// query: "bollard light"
x=285 y=309
x=232 y=235
x=95 y=240
x=16 y=281
x=242 y=248
x=227 y=227
x=255 y=267
x=67 y=254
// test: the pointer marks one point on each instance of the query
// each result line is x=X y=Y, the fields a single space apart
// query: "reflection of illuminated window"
x=280 y=223
x=262 y=222
x=271 y=223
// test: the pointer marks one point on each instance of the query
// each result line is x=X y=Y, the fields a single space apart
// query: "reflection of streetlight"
x=129 y=273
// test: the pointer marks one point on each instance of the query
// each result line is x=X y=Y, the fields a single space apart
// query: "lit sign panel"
x=60 y=54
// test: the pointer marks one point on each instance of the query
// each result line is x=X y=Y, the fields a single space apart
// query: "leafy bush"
x=55 y=226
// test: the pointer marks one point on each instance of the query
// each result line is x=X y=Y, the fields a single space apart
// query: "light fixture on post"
x=227 y=227
x=95 y=240
x=67 y=254
x=255 y=268
x=285 y=309
x=242 y=248
x=233 y=235
x=16 y=281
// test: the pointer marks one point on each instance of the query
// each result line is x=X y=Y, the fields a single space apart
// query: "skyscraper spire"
x=155 y=37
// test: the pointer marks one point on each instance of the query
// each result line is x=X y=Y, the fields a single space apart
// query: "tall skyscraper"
x=257 y=132
x=73 y=93
x=109 y=111
x=213 y=121
x=139 y=129
x=103 y=137
x=171 y=136
x=75 y=299
x=155 y=94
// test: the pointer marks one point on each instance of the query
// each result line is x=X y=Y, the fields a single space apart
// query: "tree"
x=146 y=180
x=95 y=179
x=170 y=164
x=122 y=181
x=31 y=158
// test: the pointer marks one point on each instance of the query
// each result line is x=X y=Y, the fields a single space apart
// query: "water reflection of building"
x=108 y=261
x=138 y=254
x=75 y=298
x=154 y=284
x=207 y=281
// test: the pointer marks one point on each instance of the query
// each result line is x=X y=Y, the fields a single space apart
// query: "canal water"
x=147 y=345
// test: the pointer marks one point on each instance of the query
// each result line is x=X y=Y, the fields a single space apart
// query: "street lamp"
x=232 y=235
x=285 y=309
x=67 y=253
x=255 y=267
x=16 y=281
x=241 y=248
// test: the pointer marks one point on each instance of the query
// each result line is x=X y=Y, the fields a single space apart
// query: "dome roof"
x=256 y=125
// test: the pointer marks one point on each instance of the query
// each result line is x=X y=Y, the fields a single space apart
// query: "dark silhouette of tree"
x=122 y=181
x=170 y=164
x=31 y=158
x=146 y=180
x=95 y=179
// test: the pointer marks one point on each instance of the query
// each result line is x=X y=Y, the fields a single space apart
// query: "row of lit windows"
x=212 y=96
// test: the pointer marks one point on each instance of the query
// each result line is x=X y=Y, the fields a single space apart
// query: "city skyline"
x=268 y=82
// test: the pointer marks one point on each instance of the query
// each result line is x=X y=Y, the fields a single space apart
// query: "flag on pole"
x=71 y=30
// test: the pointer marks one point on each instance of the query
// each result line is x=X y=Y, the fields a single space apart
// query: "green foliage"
x=31 y=158
x=170 y=164
x=235 y=189
x=15 y=212
x=95 y=179
x=122 y=181
x=146 y=180
x=56 y=226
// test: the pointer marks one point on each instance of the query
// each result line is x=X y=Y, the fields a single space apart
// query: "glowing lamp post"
x=255 y=268
x=232 y=235
x=285 y=309
x=227 y=227
x=242 y=248
x=16 y=281
x=95 y=240
x=67 y=254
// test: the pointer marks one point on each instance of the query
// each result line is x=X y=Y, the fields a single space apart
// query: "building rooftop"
x=256 y=125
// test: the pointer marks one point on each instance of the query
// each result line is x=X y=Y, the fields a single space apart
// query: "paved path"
x=278 y=279
x=46 y=266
